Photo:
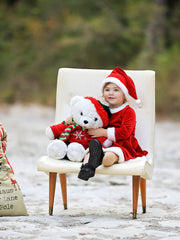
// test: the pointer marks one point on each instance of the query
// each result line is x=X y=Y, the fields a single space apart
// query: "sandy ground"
x=97 y=209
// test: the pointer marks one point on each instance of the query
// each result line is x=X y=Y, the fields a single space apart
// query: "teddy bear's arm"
x=58 y=129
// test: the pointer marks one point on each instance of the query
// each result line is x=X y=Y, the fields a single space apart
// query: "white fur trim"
x=117 y=82
x=114 y=110
x=107 y=143
x=111 y=134
x=117 y=151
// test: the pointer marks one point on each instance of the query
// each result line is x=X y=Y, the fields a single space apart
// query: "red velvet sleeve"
x=58 y=129
x=127 y=126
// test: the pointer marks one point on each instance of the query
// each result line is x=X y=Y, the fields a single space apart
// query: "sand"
x=97 y=209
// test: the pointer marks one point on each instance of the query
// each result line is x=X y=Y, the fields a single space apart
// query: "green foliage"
x=39 y=36
x=168 y=85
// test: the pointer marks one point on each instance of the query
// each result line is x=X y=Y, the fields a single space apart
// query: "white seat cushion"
x=139 y=166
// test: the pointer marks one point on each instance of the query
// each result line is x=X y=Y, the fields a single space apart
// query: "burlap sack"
x=11 y=199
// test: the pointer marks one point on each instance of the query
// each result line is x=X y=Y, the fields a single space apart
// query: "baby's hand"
x=69 y=120
x=99 y=132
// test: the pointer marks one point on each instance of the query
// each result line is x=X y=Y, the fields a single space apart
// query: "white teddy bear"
x=72 y=140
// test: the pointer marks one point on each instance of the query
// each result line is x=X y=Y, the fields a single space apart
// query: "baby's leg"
x=86 y=158
x=109 y=159
x=92 y=160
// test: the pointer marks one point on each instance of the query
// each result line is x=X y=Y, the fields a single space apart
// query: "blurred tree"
x=9 y=3
x=39 y=36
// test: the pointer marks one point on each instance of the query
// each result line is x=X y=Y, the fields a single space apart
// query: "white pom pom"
x=139 y=103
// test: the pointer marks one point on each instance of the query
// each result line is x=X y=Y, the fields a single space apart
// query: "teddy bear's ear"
x=75 y=99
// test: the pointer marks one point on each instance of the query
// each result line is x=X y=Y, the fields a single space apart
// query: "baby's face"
x=113 y=95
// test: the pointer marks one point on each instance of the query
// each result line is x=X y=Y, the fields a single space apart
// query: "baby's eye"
x=116 y=90
x=95 y=119
x=81 y=113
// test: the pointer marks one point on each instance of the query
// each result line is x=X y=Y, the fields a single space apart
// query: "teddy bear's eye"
x=81 y=113
x=95 y=119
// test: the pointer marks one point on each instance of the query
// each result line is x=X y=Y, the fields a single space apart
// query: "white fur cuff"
x=107 y=143
x=117 y=151
x=111 y=134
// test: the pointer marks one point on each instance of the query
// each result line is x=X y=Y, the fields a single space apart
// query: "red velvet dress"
x=121 y=131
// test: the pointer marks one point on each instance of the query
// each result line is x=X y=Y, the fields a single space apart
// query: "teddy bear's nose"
x=85 y=121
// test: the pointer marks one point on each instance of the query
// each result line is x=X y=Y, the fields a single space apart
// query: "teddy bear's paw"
x=49 y=133
x=76 y=152
x=57 y=149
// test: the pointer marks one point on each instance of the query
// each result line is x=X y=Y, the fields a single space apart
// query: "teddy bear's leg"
x=57 y=149
x=75 y=152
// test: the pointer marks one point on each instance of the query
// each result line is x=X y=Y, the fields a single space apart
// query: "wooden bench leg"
x=62 y=178
x=135 y=185
x=143 y=193
x=52 y=186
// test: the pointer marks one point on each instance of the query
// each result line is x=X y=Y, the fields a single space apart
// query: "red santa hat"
x=122 y=80
x=102 y=110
